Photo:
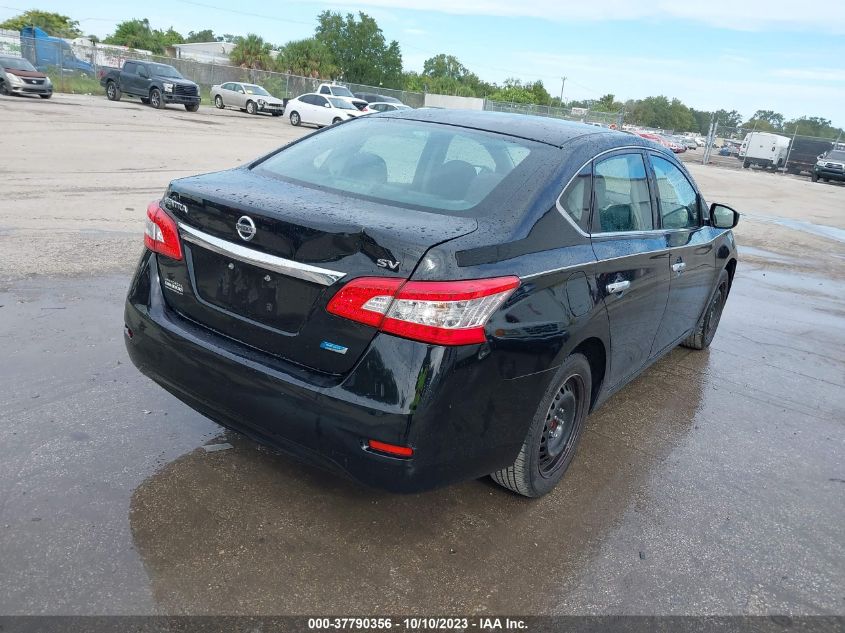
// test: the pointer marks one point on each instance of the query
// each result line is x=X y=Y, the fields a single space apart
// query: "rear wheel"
x=155 y=99
x=218 y=101
x=336 y=120
x=814 y=177
x=192 y=107
x=47 y=96
x=112 y=91
x=145 y=100
x=746 y=164
x=554 y=433
x=709 y=322
x=294 y=118
x=251 y=108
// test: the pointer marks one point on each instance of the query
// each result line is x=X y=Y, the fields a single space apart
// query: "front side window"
x=621 y=195
x=678 y=201
x=411 y=163
x=575 y=199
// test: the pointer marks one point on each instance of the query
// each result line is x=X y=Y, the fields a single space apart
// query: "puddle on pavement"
x=822 y=230
x=250 y=531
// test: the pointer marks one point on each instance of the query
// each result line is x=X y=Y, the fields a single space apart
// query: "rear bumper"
x=451 y=405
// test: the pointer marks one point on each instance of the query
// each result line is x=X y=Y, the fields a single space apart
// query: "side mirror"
x=327 y=105
x=723 y=217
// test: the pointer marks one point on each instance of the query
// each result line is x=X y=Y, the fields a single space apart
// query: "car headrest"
x=452 y=179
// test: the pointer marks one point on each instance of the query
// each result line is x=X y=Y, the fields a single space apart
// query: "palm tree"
x=307 y=58
x=252 y=52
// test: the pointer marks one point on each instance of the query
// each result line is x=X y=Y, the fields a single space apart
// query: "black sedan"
x=427 y=296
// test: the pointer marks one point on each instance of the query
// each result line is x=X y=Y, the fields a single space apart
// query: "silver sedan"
x=247 y=98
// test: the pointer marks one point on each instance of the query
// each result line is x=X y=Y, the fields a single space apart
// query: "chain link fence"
x=583 y=115
x=751 y=148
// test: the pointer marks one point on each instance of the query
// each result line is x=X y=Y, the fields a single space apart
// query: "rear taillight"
x=440 y=312
x=160 y=232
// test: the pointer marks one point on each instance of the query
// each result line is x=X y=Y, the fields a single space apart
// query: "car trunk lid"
x=262 y=258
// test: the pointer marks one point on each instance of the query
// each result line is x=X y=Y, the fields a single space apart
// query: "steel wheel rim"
x=219 y=102
x=111 y=91
x=562 y=423
x=154 y=99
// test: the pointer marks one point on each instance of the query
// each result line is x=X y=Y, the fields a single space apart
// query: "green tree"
x=252 y=52
x=607 y=103
x=359 y=50
x=728 y=119
x=761 y=125
x=813 y=126
x=774 y=119
x=138 y=33
x=514 y=91
x=308 y=58
x=54 y=24
x=206 y=35
x=445 y=66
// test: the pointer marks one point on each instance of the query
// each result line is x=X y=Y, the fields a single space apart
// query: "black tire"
x=145 y=100
x=554 y=433
x=707 y=325
x=746 y=164
x=192 y=107
x=814 y=177
x=294 y=119
x=156 y=99
x=112 y=91
x=277 y=113
x=218 y=102
x=47 y=96
x=3 y=90
x=336 y=120
x=251 y=107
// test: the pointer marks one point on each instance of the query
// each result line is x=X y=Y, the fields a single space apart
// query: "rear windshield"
x=410 y=163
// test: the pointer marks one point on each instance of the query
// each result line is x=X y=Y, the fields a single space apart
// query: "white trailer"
x=764 y=149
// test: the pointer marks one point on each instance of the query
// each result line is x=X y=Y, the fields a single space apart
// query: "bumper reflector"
x=390 y=449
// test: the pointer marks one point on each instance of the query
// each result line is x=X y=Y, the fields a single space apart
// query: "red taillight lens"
x=439 y=312
x=161 y=234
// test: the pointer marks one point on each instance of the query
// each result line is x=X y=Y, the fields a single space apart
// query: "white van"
x=764 y=149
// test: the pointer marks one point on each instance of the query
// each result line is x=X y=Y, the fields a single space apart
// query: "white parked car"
x=247 y=97
x=316 y=109
x=384 y=106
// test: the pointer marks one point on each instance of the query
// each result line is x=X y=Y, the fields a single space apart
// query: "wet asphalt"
x=714 y=483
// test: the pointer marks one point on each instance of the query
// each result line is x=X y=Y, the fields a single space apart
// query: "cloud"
x=747 y=15
x=415 y=31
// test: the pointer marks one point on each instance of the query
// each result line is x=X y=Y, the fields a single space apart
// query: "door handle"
x=617 y=286
x=679 y=267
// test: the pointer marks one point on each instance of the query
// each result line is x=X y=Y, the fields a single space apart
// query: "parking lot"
x=713 y=484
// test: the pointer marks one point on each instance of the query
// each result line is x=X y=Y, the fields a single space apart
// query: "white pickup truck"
x=336 y=90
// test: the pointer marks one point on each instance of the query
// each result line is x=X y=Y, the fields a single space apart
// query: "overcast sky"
x=739 y=54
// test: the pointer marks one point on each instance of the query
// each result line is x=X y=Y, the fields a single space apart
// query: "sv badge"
x=386 y=263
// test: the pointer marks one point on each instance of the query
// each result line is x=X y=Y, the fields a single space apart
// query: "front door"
x=633 y=261
x=693 y=260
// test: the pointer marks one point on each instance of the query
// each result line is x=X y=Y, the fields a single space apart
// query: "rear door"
x=633 y=260
x=692 y=256
x=128 y=77
x=306 y=108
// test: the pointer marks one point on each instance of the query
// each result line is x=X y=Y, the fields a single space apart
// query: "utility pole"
x=562 y=82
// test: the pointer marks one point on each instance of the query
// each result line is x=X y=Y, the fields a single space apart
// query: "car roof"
x=551 y=131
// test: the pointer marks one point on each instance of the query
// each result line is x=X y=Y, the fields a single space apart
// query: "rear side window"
x=324 y=90
x=413 y=163
x=575 y=199
x=621 y=195
x=130 y=67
